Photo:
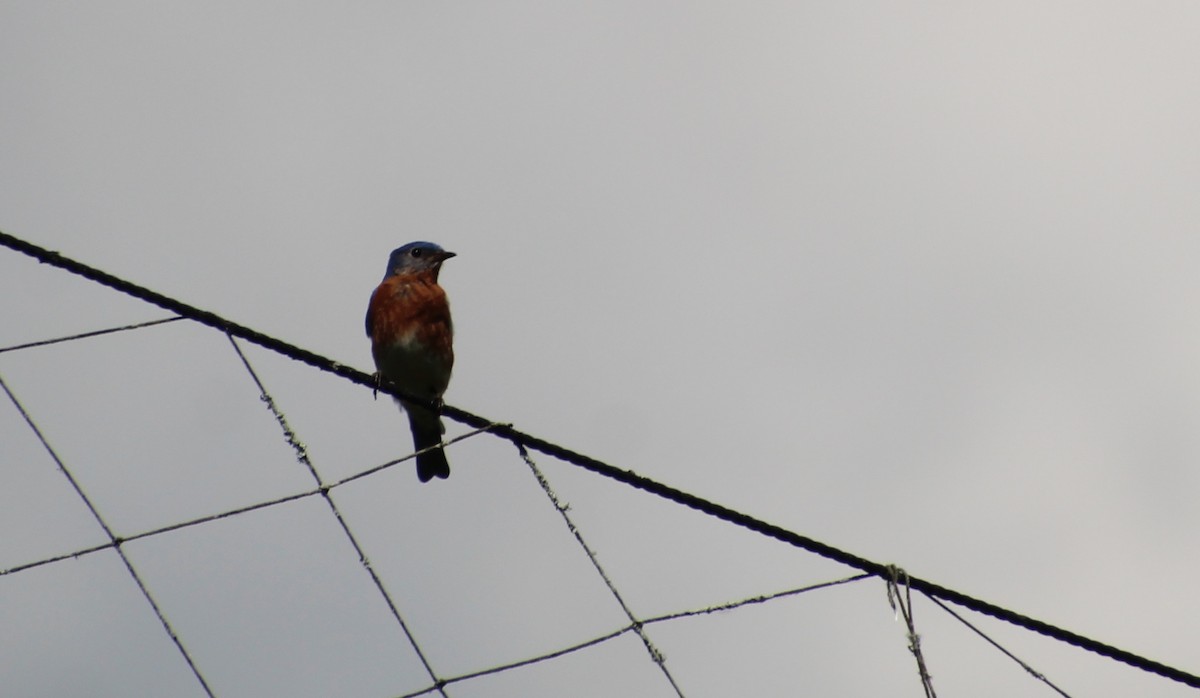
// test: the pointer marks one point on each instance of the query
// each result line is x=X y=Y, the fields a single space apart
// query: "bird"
x=408 y=321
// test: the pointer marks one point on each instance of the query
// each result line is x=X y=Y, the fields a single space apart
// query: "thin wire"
x=1032 y=672
x=824 y=550
x=85 y=335
x=526 y=662
x=389 y=464
x=655 y=655
x=230 y=512
x=635 y=625
x=632 y=627
x=116 y=541
x=57 y=558
x=597 y=466
x=901 y=601
x=302 y=456
x=755 y=600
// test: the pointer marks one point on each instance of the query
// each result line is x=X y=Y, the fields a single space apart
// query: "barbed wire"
x=627 y=477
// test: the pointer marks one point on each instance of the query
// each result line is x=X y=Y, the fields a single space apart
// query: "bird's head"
x=416 y=256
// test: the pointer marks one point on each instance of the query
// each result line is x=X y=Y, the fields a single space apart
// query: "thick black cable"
x=588 y=463
x=1030 y=670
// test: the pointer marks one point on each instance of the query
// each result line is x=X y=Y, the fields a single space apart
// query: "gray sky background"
x=914 y=279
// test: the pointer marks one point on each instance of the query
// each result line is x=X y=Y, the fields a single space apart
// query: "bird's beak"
x=446 y=255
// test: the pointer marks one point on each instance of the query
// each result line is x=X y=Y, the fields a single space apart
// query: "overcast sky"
x=917 y=280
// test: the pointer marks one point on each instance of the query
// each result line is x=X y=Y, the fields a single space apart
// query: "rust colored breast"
x=411 y=312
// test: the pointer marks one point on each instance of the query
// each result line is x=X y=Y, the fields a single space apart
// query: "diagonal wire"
x=290 y=436
x=116 y=540
x=324 y=490
x=302 y=456
x=655 y=655
x=526 y=662
x=597 y=466
x=73 y=555
x=901 y=602
x=1032 y=672
x=632 y=626
x=230 y=512
x=94 y=333
x=755 y=600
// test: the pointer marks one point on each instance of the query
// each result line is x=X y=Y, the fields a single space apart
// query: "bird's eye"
x=416 y=252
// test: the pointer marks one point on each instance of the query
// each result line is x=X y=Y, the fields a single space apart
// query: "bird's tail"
x=427 y=431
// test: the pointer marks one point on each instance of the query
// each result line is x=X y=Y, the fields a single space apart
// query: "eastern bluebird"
x=408 y=322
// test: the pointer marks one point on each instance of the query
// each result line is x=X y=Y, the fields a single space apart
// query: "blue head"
x=415 y=257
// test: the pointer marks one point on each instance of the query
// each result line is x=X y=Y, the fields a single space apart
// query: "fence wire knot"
x=901 y=603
